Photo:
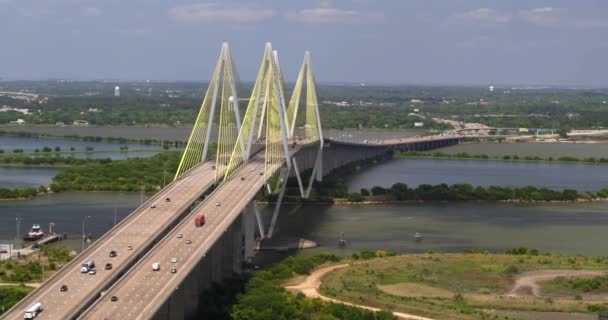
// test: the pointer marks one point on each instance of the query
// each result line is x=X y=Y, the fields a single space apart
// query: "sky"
x=418 y=42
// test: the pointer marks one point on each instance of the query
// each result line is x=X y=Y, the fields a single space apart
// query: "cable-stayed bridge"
x=276 y=138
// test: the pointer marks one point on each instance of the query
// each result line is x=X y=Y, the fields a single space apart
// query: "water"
x=22 y=177
x=450 y=227
x=10 y=143
x=67 y=210
x=545 y=150
x=413 y=172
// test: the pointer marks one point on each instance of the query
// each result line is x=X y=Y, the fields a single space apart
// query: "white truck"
x=87 y=266
x=33 y=311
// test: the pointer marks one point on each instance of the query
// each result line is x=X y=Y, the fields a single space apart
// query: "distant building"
x=418 y=124
x=60 y=124
x=117 y=91
x=416 y=101
x=491 y=88
x=80 y=123
x=18 y=121
x=416 y=110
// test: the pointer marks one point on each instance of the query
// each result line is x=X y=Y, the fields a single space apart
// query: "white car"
x=155 y=266
x=173 y=260
x=217 y=204
x=92 y=272
x=129 y=247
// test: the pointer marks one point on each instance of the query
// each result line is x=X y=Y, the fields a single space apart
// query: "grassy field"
x=462 y=286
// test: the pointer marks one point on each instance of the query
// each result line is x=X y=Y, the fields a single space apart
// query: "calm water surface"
x=18 y=177
x=450 y=227
x=580 y=150
x=560 y=228
x=584 y=177
x=67 y=211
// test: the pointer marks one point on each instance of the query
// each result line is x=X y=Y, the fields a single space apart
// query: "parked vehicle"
x=155 y=266
x=108 y=266
x=113 y=254
x=63 y=288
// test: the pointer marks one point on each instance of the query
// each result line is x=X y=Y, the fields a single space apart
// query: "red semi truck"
x=199 y=220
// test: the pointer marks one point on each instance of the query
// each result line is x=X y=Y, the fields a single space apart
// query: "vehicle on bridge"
x=87 y=266
x=199 y=220
x=33 y=311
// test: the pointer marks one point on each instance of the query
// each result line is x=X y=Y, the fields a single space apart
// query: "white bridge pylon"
x=268 y=121
x=222 y=90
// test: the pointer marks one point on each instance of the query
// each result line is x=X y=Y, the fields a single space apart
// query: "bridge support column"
x=249 y=217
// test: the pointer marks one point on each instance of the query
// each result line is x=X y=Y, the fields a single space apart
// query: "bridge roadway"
x=138 y=230
x=141 y=292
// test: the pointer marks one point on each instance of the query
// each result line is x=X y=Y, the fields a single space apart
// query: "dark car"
x=113 y=254
x=168 y=199
x=63 y=288
x=173 y=270
x=108 y=266
x=114 y=298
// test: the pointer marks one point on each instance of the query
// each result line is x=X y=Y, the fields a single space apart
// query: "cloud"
x=214 y=12
x=327 y=14
x=92 y=12
x=482 y=15
x=550 y=17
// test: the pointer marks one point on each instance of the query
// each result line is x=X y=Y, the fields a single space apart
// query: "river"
x=452 y=227
x=22 y=177
x=413 y=172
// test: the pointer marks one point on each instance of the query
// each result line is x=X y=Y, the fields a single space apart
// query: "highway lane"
x=142 y=291
x=137 y=230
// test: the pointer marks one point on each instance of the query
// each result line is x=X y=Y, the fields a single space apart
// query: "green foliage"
x=466 y=155
x=125 y=175
x=265 y=298
x=10 y=295
x=20 y=193
x=355 y=197
x=466 y=192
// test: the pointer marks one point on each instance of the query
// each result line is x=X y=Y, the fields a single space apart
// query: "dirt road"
x=526 y=284
x=309 y=287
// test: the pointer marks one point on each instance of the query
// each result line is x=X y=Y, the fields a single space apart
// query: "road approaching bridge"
x=139 y=231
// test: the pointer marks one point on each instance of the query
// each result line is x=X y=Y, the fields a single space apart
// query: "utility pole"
x=83 y=234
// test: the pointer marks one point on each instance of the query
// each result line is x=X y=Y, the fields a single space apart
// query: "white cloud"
x=482 y=15
x=560 y=18
x=214 y=12
x=92 y=12
x=327 y=14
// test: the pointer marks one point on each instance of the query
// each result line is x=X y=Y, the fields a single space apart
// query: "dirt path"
x=32 y=284
x=526 y=284
x=309 y=287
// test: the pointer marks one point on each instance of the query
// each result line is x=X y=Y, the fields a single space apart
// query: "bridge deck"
x=139 y=229
x=142 y=291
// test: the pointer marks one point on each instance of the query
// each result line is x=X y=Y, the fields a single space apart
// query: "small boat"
x=342 y=241
x=35 y=233
x=417 y=236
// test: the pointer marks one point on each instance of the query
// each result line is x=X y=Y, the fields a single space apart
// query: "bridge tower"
x=271 y=125
x=222 y=90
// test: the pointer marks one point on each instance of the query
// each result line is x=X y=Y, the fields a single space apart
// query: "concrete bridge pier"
x=222 y=260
